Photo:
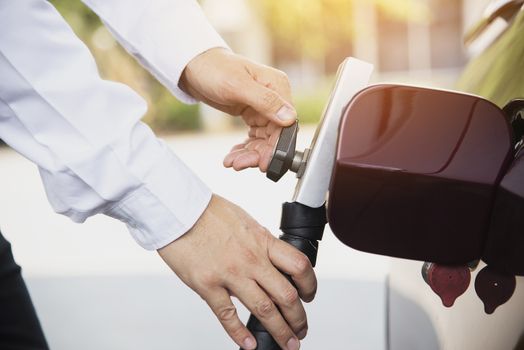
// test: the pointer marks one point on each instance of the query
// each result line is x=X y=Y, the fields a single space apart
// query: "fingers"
x=247 y=154
x=267 y=153
x=262 y=140
x=292 y=262
x=267 y=102
x=232 y=83
x=235 y=152
x=241 y=159
x=261 y=305
x=286 y=297
x=273 y=79
x=220 y=302
x=246 y=159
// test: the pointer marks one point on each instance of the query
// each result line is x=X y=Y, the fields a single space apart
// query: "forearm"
x=163 y=35
x=85 y=133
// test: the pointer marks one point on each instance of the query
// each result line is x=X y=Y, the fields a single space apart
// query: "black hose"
x=302 y=227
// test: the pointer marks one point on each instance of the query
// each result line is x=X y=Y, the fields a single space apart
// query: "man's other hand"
x=261 y=95
x=227 y=253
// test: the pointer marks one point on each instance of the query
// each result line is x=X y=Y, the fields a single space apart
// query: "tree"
x=318 y=29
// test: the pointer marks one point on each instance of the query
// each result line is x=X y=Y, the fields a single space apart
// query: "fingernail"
x=286 y=113
x=293 y=344
x=249 y=343
x=302 y=334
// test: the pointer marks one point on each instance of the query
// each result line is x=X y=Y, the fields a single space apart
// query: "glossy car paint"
x=505 y=243
x=416 y=172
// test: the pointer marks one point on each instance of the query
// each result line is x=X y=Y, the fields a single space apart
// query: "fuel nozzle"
x=286 y=157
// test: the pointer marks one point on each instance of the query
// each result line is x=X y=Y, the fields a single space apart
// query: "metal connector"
x=285 y=157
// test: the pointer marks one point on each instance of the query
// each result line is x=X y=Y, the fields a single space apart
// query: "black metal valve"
x=285 y=157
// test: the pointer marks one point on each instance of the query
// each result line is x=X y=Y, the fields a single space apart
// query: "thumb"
x=268 y=103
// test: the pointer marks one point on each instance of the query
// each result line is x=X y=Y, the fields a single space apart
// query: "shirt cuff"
x=169 y=203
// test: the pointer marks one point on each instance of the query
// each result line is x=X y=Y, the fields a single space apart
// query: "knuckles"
x=290 y=296
x=282 y=333
x=263 y=236
x=302 y=264
x=249 y=256
x=237 y=333
x=226 y=314
x=264 y=308
x=233 y=270
x=207 y=279
x=270 y=99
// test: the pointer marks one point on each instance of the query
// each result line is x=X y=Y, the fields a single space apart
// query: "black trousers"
x=19 y=325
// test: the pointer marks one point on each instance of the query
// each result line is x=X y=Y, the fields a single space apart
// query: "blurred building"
x=425 y=49
x=245 y=33
x=429 y=50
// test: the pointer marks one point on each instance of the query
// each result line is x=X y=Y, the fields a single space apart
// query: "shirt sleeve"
x=85 y=134
x=163 y=35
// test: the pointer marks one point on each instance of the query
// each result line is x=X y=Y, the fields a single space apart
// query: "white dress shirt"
x=84 y=133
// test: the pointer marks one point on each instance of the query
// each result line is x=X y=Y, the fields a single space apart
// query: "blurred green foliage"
x=79 y=17
x=310 y=105
x=173 y=115
x=323 y=29
x=498 y=73
x=165 y=113
x=319 y=30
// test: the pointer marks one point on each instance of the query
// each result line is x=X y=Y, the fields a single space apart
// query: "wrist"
x=194 y=69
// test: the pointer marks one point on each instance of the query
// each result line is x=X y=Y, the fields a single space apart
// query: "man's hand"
x=227 y=253
x=261 y=95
